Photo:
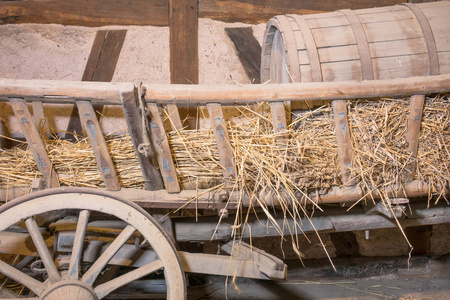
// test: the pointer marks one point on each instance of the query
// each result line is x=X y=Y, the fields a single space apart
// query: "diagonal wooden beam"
x=35 y=142
x=162 y=148
x=101 y=64
x=94 y=132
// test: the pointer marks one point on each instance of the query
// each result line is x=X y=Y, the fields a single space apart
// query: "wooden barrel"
x=405 y=40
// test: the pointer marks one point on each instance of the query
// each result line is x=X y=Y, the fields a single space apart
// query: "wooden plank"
x=3 y=135
x=138 y=129
x=38 y=114
x=222 y=138
x=342 y=70
x=398 y=48
x=35 y=142
x=248 y=51
x=155 y=12
x=174 y=116
x=401 y=66
x=85 y=12
x=412 y=134
x=94 y=132
x=392 y=30
x=344 y=141
x=333 y=36
x=162 y=148
x=279 y=123
x=101 y=64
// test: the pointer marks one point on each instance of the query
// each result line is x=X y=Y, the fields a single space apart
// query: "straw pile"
x=308 y=162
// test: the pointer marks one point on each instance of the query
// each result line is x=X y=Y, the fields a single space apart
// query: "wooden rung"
x=138 y=128
x=174 y=116
x=412 y=133
x=279 y=123
x=90 y=124
x=35 y=142
x=344 y=141
x=220 y=130
x=162 y=148
x=38 y=113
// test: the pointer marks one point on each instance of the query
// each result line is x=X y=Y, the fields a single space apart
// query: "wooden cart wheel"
x=81 y=285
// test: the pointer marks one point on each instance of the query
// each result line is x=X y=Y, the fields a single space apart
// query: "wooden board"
x=344 y=141
x=162 y=148
x=105 y=164
x=140 y=136
x=248 y=51
x=155 y=12
x=222 y=138
x=279 y=123
x=35 y=142
x=100 y=66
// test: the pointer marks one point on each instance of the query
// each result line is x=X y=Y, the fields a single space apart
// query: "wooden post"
x=279 y=123
x=162 y=148
x=3 y=134
x=35 y=142
x=105 y=164
x=138 y=128
x=344 y=141
x=222 y=138
x=100 y=66
x=412 y=134
x=183 y=20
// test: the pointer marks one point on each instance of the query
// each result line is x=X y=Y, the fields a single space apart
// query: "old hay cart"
x=272 y=170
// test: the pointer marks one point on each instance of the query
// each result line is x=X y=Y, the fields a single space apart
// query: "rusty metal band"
x=428 y=36
x=362 y=44
x=311 y=48
x=290 y=46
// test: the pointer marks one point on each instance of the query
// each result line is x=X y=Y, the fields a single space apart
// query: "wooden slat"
x=174 y=116
x=35 y=142
x=279 y=123
x=140 y=135
x=344 y=141
x=38 y=113
x=248 y=51
x=222 y=138
x=162 y=148
x=94 y=132
x=3 y=134
x=412 y=133
x=100 y=67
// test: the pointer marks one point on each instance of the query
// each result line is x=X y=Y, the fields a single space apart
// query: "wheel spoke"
x=44 y=253
x=106 y=288
x=78 y=243
x=91 y=275
x=34 y=285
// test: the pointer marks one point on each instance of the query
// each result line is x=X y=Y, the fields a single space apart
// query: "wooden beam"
x=162 y=148
x=85 y=12
x=222 y=138
x=133 y=109
x=155 y=12
x=344 y=140
x=100 y=66
x=248 y=50
x=94 y=132
x=53 y=91
x=35 y=142
x=4 y=134
x=412 y=133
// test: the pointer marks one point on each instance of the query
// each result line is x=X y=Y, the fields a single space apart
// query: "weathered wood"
x=100 y=66
x=344 y=141
x=279 y=123
x=38 y=114
x=85 y=12
x=222 y=138
x=3 y=135
x=248 y=51
x=35 y=142
x=134 y=111
x=174 y=116
x=108 y=93
x=162 y=148
x=94 y=132
x=413 y=133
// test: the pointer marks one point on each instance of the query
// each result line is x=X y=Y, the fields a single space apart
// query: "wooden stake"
x=412 y=133
x=344 y=141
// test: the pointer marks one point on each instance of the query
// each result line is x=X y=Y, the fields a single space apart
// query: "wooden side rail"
x=109 y=92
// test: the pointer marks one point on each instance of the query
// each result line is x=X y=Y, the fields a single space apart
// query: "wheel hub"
x=69 y=290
